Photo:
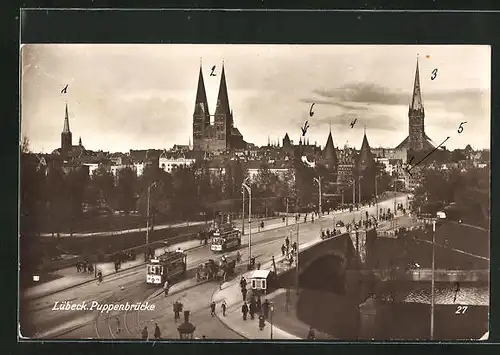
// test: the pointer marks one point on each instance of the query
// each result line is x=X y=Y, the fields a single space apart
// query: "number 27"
x=461 y=309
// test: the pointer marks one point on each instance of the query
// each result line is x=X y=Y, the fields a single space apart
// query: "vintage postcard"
x=272 y=192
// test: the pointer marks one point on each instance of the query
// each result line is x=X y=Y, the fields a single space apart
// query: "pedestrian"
x=311 y=335
x=118 y=328
x=78 y=267
x=287 y=243
x=258 y=305
x=165 y=288
x=157 y=333
x=116 y=266
x=265 y=308
x=145 y=333
x=212 y=308
x=252 y=309
x=283 y=249
x=244 y=310
x=224 y=307
x=244 y=293
x=243 y=282
x=294 y=246
x=238 y=257
x=99 y=276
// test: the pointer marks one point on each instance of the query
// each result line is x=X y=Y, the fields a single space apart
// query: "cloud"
x=366 y=93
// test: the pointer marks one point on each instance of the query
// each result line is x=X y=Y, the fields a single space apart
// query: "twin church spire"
x=201 y=104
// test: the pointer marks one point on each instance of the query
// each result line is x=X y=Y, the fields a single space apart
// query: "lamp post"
x=271 y=318
x=186 y=329
x=376 y=194
x=297 y=255
x=148 y=211
x=249 y=190
x=433 y=276
x=318 y=180
x=286 y=223
x=359 y=189
x=243 y=213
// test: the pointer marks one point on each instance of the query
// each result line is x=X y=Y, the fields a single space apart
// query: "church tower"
x=223 y=116
x=365 y=171
x=66 y=137
x=416 y=116
x=201 y=115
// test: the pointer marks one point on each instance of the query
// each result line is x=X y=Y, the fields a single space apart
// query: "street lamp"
x=249 y=190
x=186 y=329
x=318 y=180
x=148 y=211
x=376 y=193
x=286 y=223
x=271 y=319
x=433 y=276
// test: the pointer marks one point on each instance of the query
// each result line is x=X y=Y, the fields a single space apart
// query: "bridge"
x=340 y=263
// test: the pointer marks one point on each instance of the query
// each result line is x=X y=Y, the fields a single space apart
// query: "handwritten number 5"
x=460 y=128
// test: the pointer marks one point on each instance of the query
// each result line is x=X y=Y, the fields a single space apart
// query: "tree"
x=104 y=182
x=75 y=185
x=457 y=155
x=126 y=186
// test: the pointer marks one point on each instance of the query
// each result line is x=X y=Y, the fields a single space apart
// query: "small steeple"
x=66 y=121
x=80 y=141
x=268 y=141
x=416 y=100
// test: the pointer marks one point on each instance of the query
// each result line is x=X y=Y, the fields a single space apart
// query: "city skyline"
x=143 y=96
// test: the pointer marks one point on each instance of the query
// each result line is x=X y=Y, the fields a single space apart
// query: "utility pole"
x=353 y=200
x=359 y=190
x=342 y=197
x=243 y=213
x=433 y=276
x=318 y=180
x=286 y=210
x=249 y=190
x=376 y=194
x=297 y=255
x=148 y=212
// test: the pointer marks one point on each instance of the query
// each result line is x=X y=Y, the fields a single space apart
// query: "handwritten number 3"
x=434 y=74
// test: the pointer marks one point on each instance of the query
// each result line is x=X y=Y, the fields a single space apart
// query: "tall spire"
x=222 y=98
x=201 y=103
x=416 y=99
x=329 y=150
x=66 y=121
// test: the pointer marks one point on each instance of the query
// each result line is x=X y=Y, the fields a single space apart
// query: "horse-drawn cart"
x=215 y=271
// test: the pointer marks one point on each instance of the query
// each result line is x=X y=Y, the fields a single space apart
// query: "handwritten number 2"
x=434 y=74
x=460 y=128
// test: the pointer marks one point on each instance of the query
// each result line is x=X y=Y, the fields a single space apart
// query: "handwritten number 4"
x=460 y=128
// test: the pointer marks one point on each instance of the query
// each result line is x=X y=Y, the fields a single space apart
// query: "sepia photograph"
x=254 y=192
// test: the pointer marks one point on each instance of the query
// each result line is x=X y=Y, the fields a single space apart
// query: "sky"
x=139 y=96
